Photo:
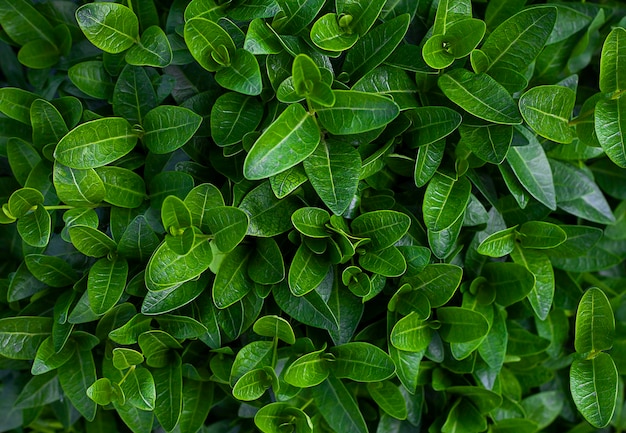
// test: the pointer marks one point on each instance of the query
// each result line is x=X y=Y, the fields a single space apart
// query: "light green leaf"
x=311 y=222
x=15 y=103
x=388 y=262
x=429 y=157
x=111 y=27
x=437 y=281
x=106 y=283
x=610 y=127
x=290 y=139
x=274 y=326
x=54 y=271
x=96 y=143
x=92 y=78
x=612 y=78
x=124 y=358
x=124 y=188
x=498 y=244
x=362 y=362
x=91 y=241
x=204 y=38
x=445 y=200
x=78 y=187
x=480 y=95
x=232 y=283
x=328 y=35
x=355 y=112
x=242 y=74
x=595 y=323
x=153 y=49
x=384 y=228
x=489 y=142
x=459 y=39
x=167 y=128
x=307 y=271
x=548 y=110
x=539 y=265
x=594 y=384
x=459 y=325
x=411 y=333
x=333 y=170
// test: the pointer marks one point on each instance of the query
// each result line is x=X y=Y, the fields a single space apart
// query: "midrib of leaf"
x=78 y=187
x=270 y=153
x=545 y=113
x=90 y=17
x=102 y=298
x=364 y=59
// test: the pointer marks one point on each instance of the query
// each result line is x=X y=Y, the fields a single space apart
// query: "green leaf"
x=593 y=384
x=516 y=42
x=200 y=200
x=153 y=49
x=389 y=398
x=92 y=78
x=101 y=391
x=609 y=127
x=124 y=188
x=75 y=377
x=261 y=39
x=458 y=40
x=481 y=96
x=106 y=283
x=311 y=222
x=133 y=96
x=266 y=265
x=23 y=23
x=48 y=124
x=228 y=225
x=595 y=323
x=384 y=228
x=269 y=216
x=539 y=265
x=197 y=401
x=374 y=47
x=429 y=157
x=489 y=142
x=274 y=326
x=530 y=165
x=54 y=271
x=411 y=333
x=307 y=271
x=78 y=187
x=181 y=327
x=21 y=336
x=39 y=391
x=511 y=282
x=242 y=74
x=612 y=79
x=388 y=262
x=437 y=281
x=15 y=103
x=445 y=200
x=139 y=388
x=204 y=39
x=333 y=170
x=274 y=417
x=362 y=362
x=290 y=139
x=541 y=235
x=338 y=407
x=170 y=299
x=363 y=14
x=48 y=359
x=111 y=27
x=498 y=244
x=124 y=358
x=431 y=124
x=233 y=116
x=295 y=15
x=459 y=325
x=252 y=385
x=90 y=241
x=139 y=240
x=96 y=143
x=175 y=215
x=167 y=128
x=167 y=269
x=328 y=35
x=232 y=283
x=548 y=110
x=24 y=201
x=308 y=370
x=168 y=382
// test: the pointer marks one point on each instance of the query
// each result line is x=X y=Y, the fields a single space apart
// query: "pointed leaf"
x=111 y=27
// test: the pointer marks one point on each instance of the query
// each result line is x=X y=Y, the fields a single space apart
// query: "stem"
x=68 y=207
x=306 y=404
x=131 y=369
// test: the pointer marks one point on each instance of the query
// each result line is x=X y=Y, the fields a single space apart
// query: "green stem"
x=131 y=369
x=68 y=207
x=306 y=404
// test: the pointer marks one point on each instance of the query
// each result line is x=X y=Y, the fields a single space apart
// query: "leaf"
x=169 y=394
x=24 y=24
x=75 y=377
x=167 y=269
x=539 y=265
x=530 y=165
x=389 y=398
x=153 y=49
x=511 y=282
x=53 y=271
x=273 y=417
x=307 y=271
x=232 y=283
x=311 y=222
x=611 y=62
x=197 y=401
x=124 y=358
x=252 y=385
x=308 y=370
x=268 y=215
x=429 y=157
x=481 y=96
x=609 y=127
x=204 y=38
x=445 y=201
x=39 y=391
x=233 y=116
x=411 y=333
x=338 y=407
x=133 y=96
x=106 y=282
x=242 y=75
x=295 y=15
x=431 y=124
x=15 y=103
x=459 y=325
x=96 y=143
x=362 y=362
x=388 y=262
x=458 y=40
x=266 y=265
x=48 y=124
x=290 y=139
x=333 y=170
x=228 y=225
x=498 y=244
x=139 y=389
x=516 y=42
x=167 y=128
x=109 y=26
x=90 y=241
x=437 y=281
x=595 y=324
x=77 y=187
x=547 y=110
x=328 y=35
x=124 y=188
x=593 y=384
x=541 y=235
x=274 y=326
x=374 y=47
x=21 y=336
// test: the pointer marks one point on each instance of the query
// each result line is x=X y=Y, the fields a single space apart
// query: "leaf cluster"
x=312 y=216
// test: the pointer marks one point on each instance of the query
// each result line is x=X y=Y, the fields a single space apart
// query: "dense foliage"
x=310 y=215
